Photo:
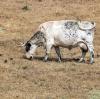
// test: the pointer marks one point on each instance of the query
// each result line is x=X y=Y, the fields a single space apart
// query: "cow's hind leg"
x=57 y=49
x=84 y=50
x=89 y=41
x=91 y=55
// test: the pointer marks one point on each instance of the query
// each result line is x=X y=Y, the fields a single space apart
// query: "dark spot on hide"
x=89 y=33
x=69 y=25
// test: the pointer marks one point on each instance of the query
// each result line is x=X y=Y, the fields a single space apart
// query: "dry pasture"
x=24 y=79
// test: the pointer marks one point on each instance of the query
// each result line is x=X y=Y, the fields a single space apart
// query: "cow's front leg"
x=46 y=57
x=82 y=59
x=47 y=51
x=57 y=49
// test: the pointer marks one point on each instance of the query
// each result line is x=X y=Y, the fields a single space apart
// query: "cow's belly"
x=65 y=42
x=66 y=39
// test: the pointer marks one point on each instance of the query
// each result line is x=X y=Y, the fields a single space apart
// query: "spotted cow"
x=64 y=33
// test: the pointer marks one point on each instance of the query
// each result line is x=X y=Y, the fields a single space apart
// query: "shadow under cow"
x=39 y=58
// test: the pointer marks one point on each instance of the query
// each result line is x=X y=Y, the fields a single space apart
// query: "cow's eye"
x=28 y=45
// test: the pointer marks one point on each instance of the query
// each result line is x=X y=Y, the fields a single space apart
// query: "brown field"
x=24 y=79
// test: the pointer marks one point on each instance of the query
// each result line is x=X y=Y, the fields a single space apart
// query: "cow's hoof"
x=59 y=61
x=44 y=60
x=91 y=62
x=81 y=61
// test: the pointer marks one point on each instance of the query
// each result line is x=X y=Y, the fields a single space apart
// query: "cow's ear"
x=27 y=46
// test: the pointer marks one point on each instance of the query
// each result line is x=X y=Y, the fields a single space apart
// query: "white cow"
x=64 y=33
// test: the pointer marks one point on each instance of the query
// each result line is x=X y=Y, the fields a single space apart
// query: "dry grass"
x=24 y=79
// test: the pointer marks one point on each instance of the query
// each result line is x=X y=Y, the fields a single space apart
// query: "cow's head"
x=30 y=46
x=30 y=49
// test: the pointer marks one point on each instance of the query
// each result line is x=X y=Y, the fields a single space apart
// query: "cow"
x=64 y=33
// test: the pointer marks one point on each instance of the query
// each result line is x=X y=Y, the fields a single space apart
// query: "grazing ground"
x=24 y=79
